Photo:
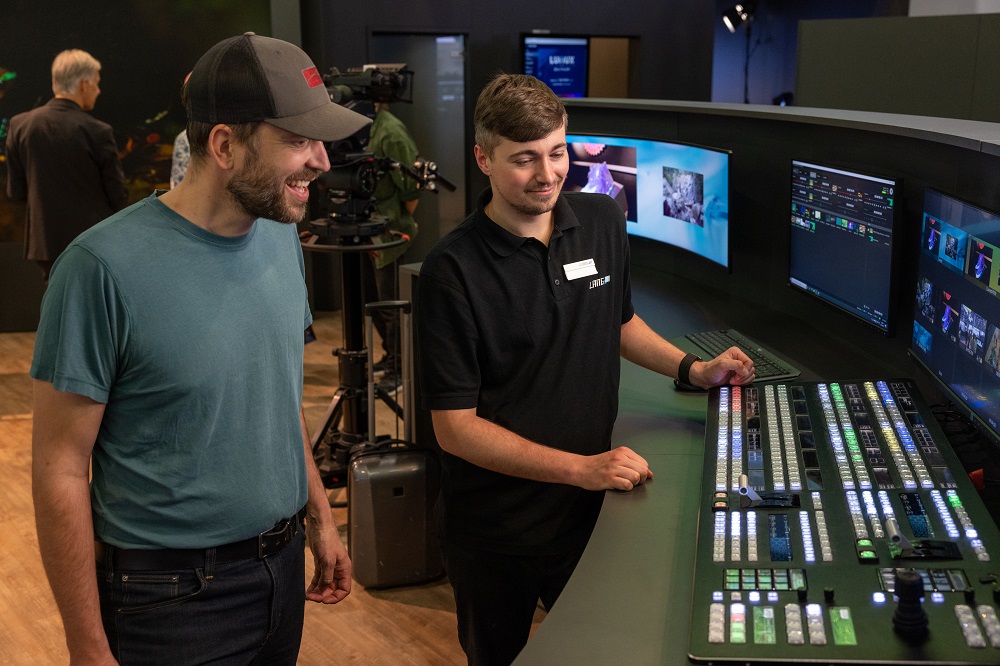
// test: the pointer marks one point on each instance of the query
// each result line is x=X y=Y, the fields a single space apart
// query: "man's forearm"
x=643 y=346
x=317 y=504
x=66 y=540
x=462 y=432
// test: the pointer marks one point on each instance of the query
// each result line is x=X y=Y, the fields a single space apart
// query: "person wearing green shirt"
x=396 y=198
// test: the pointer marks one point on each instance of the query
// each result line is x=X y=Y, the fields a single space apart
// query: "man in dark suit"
x=64 y=162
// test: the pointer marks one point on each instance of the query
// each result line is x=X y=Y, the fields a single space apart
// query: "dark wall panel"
x=986 y=96
x=943 y=66
x=675 y=44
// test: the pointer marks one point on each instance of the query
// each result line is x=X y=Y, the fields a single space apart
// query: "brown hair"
x=518 y=108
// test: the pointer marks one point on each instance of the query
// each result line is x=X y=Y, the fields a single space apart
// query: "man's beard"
x=540 y=208
x=259 y=194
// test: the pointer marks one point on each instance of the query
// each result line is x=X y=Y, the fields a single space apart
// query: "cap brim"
x=329 y=122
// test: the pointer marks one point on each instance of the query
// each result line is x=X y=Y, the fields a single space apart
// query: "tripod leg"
x=330 y=419
x=383 y=395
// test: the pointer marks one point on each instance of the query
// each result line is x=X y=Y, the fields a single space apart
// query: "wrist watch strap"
x=684 y=371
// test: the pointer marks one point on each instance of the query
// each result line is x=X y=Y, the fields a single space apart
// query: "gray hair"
x=70 y=68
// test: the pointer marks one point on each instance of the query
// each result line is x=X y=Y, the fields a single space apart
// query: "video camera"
x=347 y=189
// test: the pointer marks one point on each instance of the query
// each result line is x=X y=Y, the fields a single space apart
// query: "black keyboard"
x=767 y=365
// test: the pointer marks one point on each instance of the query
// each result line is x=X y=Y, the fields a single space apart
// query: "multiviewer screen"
x=957 y=312
x=671 y=192
x=841 y=239
x=561 y=62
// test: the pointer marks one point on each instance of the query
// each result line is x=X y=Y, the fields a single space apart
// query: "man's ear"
x=220 y=146
x=482 y=159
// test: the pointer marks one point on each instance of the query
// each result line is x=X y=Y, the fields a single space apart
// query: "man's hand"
x=331 y=580
x=730 y=367
x=618 y=469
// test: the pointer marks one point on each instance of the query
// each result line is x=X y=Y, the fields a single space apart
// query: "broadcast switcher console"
x=838 y=526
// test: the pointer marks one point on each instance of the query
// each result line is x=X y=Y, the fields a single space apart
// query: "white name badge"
x=579 y=269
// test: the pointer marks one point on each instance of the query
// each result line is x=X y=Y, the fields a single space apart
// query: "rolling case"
x=392 y=537
x=392 y=487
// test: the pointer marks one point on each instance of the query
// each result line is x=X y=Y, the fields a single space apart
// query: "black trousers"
x=496 y=596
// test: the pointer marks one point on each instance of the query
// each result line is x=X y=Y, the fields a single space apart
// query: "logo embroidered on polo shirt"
x=600 y=282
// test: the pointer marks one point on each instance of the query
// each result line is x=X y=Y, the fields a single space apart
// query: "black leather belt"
x=258 y=547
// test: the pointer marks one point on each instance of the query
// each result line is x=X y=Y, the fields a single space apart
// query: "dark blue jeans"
x=245 y=612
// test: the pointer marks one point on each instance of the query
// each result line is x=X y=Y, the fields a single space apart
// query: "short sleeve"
x=84 y=327
x=448 y=362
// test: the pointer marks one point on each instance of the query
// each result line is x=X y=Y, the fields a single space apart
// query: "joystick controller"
x=909 y=620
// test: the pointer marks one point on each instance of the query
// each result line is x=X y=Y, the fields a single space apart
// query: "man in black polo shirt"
x=523 y=312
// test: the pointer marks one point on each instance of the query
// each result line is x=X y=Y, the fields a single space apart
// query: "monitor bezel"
x=728 y=266
x=894 y=247
x=987 y=430
x=561 y=35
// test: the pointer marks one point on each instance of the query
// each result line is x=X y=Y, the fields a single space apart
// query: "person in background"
x=64 y=162
x=396 y=197
x=180 y=159
x=181 y=156
x=169 y=360
x=523 y=312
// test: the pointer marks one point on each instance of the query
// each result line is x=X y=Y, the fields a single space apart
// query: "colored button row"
x=944 y=514
x=774 y=440
x=836 y=441
x=971 y=630
x=764 y=579
x=895 y=449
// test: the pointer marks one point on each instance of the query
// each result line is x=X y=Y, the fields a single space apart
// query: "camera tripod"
x=349 y=422
x=348 y=229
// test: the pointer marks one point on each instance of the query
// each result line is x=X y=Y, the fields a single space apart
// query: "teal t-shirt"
x=194 y=341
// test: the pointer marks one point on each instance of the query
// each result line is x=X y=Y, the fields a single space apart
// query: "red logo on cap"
x=312 y=77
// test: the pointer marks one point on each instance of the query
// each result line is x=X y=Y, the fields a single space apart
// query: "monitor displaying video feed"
x=841 y=245
x=956 y=319
x=559 y=61
x=674 y=193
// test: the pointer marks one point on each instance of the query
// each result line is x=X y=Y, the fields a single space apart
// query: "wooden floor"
x=401 y=626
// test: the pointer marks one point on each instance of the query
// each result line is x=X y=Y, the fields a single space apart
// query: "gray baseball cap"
x=251 y=78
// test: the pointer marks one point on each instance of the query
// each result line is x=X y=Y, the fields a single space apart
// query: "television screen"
x=670 y=192
x=957 y=308
x=561 y=62
x=842 y=240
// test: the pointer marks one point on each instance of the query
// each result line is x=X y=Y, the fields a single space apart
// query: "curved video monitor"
x=674 y=193
x=841 y=243
x=956 y=319
x=559 y=60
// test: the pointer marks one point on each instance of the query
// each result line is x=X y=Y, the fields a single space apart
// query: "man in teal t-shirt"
x=169 y=359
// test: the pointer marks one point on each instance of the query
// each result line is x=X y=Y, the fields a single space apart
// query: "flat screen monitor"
x=674 y=193
x=841 y=249
x=957 y=312
x=559 y=61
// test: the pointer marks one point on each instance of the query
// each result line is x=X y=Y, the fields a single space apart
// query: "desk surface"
x=629 y=598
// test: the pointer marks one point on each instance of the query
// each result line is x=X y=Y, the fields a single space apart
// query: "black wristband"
x=684 y=369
